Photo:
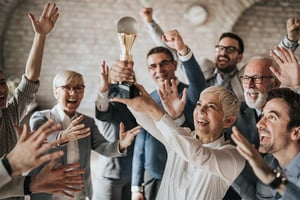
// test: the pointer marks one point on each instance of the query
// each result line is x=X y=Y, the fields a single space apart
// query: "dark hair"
x=292 y=99
x=235 y=37
x=161 y=50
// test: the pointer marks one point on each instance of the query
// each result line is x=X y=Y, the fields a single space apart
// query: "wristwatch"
x=280 y=178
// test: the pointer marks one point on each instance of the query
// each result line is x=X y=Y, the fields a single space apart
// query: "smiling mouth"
x=253 y=95
x=72 y=101
x=263 y=139
x=202 y=122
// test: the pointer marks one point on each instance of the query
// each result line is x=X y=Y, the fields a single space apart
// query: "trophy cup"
x=127 y=28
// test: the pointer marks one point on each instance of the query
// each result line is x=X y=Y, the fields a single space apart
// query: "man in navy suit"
x=149 y=154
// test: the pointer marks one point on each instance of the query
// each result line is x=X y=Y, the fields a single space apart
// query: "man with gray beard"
x=257 y=81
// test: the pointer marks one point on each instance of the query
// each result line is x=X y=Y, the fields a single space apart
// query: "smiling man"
x=279 y=132
x=228 y=54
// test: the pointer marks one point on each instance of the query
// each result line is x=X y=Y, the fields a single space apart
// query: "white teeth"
x=222 y=59
x=72 y=100
x=202 y=121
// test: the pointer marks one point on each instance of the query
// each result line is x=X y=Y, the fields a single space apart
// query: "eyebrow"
x=211 y=102
x=274 y=112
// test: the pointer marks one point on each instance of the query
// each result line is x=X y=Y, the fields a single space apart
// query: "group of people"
x=230 y=133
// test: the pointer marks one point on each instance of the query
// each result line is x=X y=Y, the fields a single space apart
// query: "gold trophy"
x=127 y=28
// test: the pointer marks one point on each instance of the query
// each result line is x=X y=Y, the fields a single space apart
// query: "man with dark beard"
x=228 y=53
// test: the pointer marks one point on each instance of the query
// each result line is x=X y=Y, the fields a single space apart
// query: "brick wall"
x=85 y=34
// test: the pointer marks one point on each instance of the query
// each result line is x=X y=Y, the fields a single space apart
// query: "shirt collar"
x=217 y=143
x=65 y=119
x=294 y=166
x=227 y=76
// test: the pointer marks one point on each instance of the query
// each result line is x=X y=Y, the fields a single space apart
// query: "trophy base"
x=123 y=90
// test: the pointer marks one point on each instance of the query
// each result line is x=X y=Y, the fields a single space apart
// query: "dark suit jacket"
x=117 y=167
x=246 y=123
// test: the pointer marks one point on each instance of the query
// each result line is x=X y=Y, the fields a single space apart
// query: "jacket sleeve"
x=138 y=159
x=13 y=188
x=100 y=144
x=23 y=96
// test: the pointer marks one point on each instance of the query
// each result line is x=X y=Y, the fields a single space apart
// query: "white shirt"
x=72 y=146
x=193 y=170
x=72 y=150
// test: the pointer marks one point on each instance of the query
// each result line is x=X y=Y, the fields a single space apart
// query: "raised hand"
x=172 y=103
x=46 y=21
x=289 y=72
x=75 y=131
x=122 y=71
x=105 y=80
x=293 y=29
x=147 y=14
x=174 y=40
x=58 y=180
x=29 y=151
x=126 y=137
x=250 y=153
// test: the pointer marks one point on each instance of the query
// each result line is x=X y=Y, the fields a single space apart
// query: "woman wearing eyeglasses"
x=68 y=89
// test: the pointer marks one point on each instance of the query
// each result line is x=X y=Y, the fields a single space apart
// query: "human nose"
x=203 y=109
x=71 y=90
x=261 y=123
x=249 y=82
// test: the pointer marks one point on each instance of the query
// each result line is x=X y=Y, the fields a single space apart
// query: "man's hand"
x=105 y=81
x=147 y=14
x=137 y=196
x=75 y=131
x=175 y=41
x=46 y=21
x=250 y=153
x=29 y=151
x=293 y=29
x=122 y=71
x=289 y=72
x=58 y=180
x=126 y=137
x=172 y=103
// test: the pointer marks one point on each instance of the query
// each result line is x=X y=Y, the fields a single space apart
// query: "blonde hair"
x=229 y=101
x=65 y=77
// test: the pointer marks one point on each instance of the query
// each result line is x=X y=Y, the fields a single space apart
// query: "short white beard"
x=255 y=104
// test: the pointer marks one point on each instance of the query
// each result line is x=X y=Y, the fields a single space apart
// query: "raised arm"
x=290 y=41
x=41 y=27
x=289 y=69
x=260 y=166
x=154 y=29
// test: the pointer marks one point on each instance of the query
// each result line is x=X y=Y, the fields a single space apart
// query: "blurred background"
x=86 y=33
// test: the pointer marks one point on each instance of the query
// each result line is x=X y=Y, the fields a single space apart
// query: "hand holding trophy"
x=127 y=29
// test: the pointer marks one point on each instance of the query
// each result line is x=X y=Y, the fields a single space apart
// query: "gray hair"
x=65 y=77
x=229 y=101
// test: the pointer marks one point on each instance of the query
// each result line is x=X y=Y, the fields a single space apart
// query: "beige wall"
x=85 y=34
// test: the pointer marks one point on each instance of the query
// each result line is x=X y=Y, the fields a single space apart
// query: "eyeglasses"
x=229 y=49
x=163 y=63
x=77 y=89
x=254 y=79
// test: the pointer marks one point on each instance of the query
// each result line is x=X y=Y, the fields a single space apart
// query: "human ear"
x=296 y=133
x=228 y=121
x=55 y=93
